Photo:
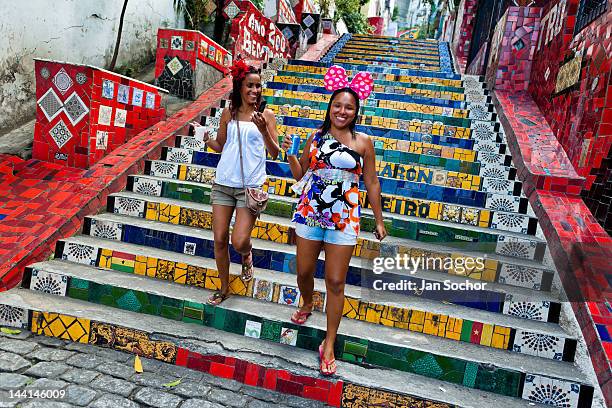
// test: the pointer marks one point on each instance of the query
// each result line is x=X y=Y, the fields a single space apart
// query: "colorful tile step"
x=102 y=326
x=407 y=313
x=422 y=63
x=357 y=66
x=482 y=137
x=315 y=85
x=426 y=188
x=469 y=84
x=441 y=154
x=428 y=106
x=487 y=241
x=394 y=88
x=339 y=60
x=429 y=357
x=403 y=51
x=497 y=269
x=277 y=227
x=467 y=216
x=274 y=256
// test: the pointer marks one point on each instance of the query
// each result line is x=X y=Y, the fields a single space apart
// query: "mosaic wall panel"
x=585 y=134
x=84 y=112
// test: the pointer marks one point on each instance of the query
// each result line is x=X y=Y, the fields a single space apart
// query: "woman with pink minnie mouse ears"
x=328 y=211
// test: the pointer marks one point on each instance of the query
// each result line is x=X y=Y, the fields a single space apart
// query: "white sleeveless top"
x=254 y=157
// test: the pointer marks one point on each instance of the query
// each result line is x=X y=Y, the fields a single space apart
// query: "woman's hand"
x=196 y=130
x=380 y=232
x=260 y=121
x=286 y=145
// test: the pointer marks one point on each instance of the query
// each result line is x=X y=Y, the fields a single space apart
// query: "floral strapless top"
x=330 y=188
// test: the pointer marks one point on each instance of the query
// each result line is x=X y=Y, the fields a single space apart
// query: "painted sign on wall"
x=256 y=36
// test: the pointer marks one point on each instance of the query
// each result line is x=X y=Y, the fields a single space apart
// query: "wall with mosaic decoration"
x=188 y=62
x=255 y=36
x=84 y=112
x=512 y=49
x=83 y=31
x=571 y=85
x=464 y=25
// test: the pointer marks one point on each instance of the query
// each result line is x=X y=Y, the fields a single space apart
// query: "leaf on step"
x=173 y=383
x=9 y=331
x=137 y=364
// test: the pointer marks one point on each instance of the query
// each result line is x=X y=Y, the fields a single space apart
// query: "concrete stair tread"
x=265 y=353
x=515 y=291
x=390 y=239
x=282 y=313
x=408 y=302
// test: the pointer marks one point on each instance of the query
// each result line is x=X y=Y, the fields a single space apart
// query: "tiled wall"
x=571 y=85
x=182 y=56
x=466 y=17
x=512 y=49
x=85 y=112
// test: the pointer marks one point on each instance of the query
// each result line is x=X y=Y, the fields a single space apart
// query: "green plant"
x=350 y=12
x=395 y=13
x=195 y=12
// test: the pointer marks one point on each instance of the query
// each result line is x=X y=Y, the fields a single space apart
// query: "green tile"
x=209 y=315
x=235 y=322
x=270 y=330
x=380 y=359
x=466 y=330
x=357 y=349
x=499 y=381
x=129 y=301
x=76 y=293
x=219 y=318
x=172 y=309
x=193 y=312
x=471 y=370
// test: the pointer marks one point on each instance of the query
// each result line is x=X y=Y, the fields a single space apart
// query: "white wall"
x=79 y=31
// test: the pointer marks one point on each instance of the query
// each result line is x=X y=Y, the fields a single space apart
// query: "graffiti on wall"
x=257 y=37
x=552 y=23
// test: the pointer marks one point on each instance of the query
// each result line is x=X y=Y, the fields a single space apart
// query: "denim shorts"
x=329 y=236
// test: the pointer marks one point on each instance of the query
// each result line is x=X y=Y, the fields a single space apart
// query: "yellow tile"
x=487 y=334
x=180 y=273
x=140 y=267
x=152 y=212
x=453 y=328
x=351 y=308
x=105 y=259
x=501 y=337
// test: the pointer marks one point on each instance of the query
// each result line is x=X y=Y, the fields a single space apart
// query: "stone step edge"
x=396 y=240
x=512 y=296
x=197 y=343
x=523 y=366
x=282 y=279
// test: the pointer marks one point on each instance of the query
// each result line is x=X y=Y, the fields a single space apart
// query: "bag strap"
x=240 y=149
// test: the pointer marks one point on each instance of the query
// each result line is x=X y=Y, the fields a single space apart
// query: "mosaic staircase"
x=449 y=190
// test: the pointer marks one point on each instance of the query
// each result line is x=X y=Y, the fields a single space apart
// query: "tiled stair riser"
x=420 y=321
x=280 y=261
x=319 y=97
x=428 y=184
x=483 y=137
x=492 y=241
x=405 y=79
x=348 y=348
x=495 y=271
x=418 y=61
x=432 y=210
x=389 y=89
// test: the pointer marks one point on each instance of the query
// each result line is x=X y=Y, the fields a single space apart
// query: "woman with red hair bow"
x=243 y=137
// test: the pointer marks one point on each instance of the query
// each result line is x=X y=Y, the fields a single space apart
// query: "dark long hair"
x=235 y=98
x=327 y=122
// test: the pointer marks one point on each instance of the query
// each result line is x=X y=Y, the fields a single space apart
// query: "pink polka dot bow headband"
x=336 y=78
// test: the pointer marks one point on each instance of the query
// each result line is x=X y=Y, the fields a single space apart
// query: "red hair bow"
x=239 y=70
